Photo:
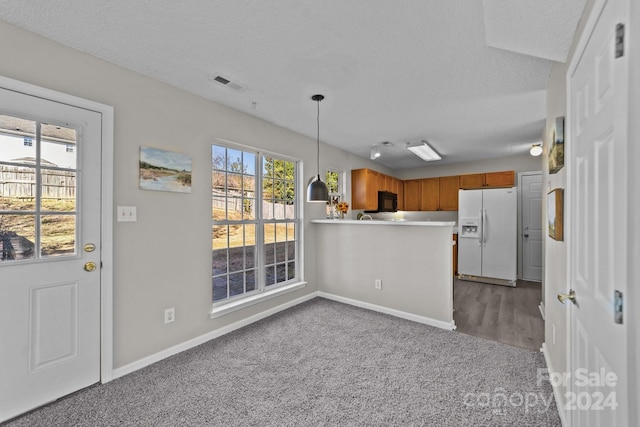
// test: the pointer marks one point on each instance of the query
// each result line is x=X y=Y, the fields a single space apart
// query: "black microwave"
x=387 y=202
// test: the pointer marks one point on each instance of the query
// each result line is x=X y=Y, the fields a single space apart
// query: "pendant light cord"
x=318 y=139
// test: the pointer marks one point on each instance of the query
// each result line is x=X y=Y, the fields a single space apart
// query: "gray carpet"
x=322 y=363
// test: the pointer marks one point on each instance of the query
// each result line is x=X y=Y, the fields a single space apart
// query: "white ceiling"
x=468 y=76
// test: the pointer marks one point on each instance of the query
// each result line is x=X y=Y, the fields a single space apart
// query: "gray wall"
x=149 y=275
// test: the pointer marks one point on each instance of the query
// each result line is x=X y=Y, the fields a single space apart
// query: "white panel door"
x=531 y=187
x=597 y=223
x=49 y=218
x=500 y=233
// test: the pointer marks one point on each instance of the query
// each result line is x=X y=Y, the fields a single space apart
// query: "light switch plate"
x=127 y=214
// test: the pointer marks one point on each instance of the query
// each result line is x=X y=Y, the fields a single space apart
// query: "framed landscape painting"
x=162 y=170
x=555 y=202
x=556 y=154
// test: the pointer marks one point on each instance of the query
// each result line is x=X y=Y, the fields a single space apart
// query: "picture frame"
x=555 y=219
x=556 y=154
x=162 y=170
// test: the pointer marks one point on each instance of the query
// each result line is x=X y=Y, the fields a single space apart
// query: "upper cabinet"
x=412 y=195
x=365 y=184
x=427 y=194
x=474 y=180
x=500 y=179
x=449 y=186
x=364 y=189
x=431 y=194
x=489 y=179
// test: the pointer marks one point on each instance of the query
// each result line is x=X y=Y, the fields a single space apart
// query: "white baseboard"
x=397 y=313
x=146 y=361
x=556 y=392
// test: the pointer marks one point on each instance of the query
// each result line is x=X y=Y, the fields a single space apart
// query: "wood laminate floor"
x=500 y=313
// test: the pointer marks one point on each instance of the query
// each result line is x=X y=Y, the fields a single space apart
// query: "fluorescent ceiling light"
x=425 y=152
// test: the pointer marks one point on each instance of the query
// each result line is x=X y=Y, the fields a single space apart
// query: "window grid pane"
x=38 y=198
x=238 y=193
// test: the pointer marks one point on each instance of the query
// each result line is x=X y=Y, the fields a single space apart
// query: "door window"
x=38 y=172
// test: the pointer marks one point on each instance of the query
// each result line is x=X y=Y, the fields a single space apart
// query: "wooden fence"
x=269 y=210
x=20 y=182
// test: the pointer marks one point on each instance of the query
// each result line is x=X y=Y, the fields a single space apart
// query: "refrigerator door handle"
x=481 y=237
x=484 y=226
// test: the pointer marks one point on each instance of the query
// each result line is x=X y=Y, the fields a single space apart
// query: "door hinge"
x=619 y=40
x=617 y=307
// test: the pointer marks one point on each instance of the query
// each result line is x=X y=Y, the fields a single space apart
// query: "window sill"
x=255 y=299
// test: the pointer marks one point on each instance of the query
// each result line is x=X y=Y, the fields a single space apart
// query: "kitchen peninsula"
x=411 y=259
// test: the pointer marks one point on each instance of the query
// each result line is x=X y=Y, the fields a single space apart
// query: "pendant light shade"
x=317 y=190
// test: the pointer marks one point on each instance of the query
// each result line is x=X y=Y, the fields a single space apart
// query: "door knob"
x=526 y=235
x=90 y=266
x=571 y=296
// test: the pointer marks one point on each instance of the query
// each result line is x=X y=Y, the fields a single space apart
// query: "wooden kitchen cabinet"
x=400 y=193
x=488 y=180
x=448 y=198
x=365 y=184
x=364 y=189
x=500 y=179
x=412 y=195
x=474 y=180
x=429 y=194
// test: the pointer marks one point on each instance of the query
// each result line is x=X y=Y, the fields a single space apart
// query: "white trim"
x=541 y=308
x=230 y=307
x=146 y=361
x=520 y=231
x=594 y=15
x=106 y=303
x=393 y=312
x=556 y=392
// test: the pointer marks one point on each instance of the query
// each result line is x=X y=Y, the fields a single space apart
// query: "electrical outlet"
x=378 y=284
x=169 y=315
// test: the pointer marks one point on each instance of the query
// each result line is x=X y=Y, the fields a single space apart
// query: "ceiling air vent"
x=238 y=87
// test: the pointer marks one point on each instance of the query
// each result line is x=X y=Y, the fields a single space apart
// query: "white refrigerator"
x=488 y=235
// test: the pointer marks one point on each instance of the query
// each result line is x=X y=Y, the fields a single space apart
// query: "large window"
x=255 y=222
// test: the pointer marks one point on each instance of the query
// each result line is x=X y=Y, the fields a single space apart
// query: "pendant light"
x=317 y=190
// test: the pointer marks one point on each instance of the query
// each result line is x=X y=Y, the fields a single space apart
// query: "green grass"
x=58 y=232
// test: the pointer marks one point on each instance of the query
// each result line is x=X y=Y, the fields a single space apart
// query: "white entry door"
x=598 y=147
x=49 y=251
x=531 y=188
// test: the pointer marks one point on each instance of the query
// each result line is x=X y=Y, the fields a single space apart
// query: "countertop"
x=382 y=222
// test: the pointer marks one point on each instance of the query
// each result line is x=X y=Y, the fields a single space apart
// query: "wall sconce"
x=375 y=152
x=536 y=150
